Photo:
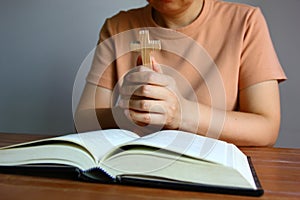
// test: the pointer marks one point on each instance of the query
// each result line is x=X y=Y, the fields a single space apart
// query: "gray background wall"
x=42 y=44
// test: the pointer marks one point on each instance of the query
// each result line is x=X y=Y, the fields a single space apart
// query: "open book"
x=171 y=159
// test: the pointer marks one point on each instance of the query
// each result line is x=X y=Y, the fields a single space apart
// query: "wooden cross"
x=145 y=46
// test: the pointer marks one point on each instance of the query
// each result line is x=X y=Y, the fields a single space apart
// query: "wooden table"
x=278 y=170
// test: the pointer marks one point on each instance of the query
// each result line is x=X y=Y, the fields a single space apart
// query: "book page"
x=77 y=149
x=240 y=163
x=98 y=143
x=193 y=145
x=205 y=149
x=141 y=161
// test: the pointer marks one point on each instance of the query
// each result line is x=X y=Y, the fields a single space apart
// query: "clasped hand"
x=150 y=97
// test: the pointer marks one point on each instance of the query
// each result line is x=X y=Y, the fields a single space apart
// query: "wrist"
x=190 y=116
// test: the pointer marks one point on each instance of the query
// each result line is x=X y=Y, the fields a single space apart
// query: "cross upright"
x=145 y=46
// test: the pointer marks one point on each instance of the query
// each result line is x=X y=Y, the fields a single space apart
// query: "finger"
x=149 y=77
x=143 y=68
x=144 y=105
x=155 y=66
x=136 y=69
x=147 y=91
x=146 y=118
x=133 y=90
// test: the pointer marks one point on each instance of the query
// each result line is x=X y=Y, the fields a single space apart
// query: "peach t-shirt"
x=226 y=49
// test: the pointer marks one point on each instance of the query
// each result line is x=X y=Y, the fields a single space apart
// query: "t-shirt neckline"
x=187 y=30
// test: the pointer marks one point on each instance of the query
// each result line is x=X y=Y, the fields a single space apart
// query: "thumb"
x=155 y=66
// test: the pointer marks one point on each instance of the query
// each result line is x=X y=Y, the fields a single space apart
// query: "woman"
x=235 y=36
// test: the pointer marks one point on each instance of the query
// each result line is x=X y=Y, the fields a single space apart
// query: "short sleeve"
x=102 y=72
x=259 y=61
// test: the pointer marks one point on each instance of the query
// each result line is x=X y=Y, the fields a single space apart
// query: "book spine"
x=96 y=175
